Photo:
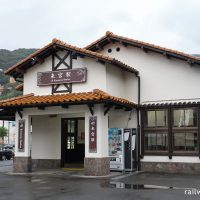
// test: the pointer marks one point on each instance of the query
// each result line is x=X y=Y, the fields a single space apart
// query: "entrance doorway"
x=73 y=141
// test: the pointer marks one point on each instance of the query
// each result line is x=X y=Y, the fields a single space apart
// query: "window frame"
x=170 y=130
x=155 y=130
x=185 y=129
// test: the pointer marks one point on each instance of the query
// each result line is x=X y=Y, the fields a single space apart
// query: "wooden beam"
x=190 y=62
x=118 y=107
x=21 y=71
x=20 y=113
x=74 y=55
x=41 y=107
x=62 y=60
x=144 y=49
x=65 y=106
x=166 y=54
x=127 y=109
x=107 y=109
x=124 y=44
x=40 y=60
x=90 y=106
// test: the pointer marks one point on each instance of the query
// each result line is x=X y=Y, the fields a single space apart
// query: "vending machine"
x=116 y=146
x=122 y=149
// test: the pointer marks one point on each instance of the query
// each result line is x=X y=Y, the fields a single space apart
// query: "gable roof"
x=111 y=37
x=47 y=50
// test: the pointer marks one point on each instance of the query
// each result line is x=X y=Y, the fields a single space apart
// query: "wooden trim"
x=64 y=136
x=198 y=123
x=142 y=133
x=55 y=68
x=170 y=136
x=63 y=139
x=156 y=153
x=183 y=153
x=170 y=129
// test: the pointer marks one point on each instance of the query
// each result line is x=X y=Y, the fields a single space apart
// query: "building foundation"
x=97 y=166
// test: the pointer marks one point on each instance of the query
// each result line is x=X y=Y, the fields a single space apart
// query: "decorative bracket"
x=90 y=106
x=65 y=106
x=108 y=107
x=20 y=113
x=41 y=107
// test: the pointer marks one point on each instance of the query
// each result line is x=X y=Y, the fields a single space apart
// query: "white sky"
x=33 y=23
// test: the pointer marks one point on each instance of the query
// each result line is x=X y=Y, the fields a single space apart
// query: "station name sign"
x=21 y=132
x=77 y=75
x=93 y=134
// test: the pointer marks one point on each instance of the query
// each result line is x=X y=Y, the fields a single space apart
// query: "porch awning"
x=94 y=97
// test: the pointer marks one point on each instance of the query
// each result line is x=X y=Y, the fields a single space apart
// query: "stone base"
x=45 y=163
x=171 y=167
x=22 y=164
x=97 y=166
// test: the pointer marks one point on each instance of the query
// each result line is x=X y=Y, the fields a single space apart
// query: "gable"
x=111 y=38
x=40 y=55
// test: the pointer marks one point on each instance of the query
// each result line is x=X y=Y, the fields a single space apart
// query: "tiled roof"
x=56 y=42
x=110 y=35
x=96 y=96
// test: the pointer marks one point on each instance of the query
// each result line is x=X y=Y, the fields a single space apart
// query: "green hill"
x=197 y=55
x=7 y=59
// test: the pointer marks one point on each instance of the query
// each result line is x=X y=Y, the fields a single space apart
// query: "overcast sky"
x=33 y=23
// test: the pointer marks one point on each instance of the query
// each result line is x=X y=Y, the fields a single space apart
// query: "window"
x=185 y=130
x=185 y=141
x=179 y=136
x=185 y=118
x=156 y=118
x=156 y=131
x=156 y=141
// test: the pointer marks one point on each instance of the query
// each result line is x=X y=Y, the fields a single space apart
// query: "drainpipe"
x=138 y=126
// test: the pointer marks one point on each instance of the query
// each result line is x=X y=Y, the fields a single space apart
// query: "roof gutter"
x=138 y=125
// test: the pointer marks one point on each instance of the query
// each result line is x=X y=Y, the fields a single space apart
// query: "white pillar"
x=97 y=163
x=22 y=160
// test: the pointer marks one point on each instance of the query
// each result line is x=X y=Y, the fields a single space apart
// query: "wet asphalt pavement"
x=144 y=186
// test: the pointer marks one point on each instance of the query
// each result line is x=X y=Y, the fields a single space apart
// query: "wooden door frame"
x=63 y=137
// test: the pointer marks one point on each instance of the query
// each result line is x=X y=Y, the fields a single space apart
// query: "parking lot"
x=144 y=186
x=6 y=165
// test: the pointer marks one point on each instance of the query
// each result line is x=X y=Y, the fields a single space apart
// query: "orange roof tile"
x=56 y=42
x=72 y=98
x=110 y=35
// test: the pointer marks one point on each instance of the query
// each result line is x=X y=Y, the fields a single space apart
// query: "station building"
x=72 y=96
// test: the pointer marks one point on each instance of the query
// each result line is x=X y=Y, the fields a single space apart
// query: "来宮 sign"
x=21 y=132
x=93 y=134
x=78 y=75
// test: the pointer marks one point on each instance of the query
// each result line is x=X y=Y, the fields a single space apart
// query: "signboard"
x=21 y=132
x=93 y=134
x=78 y=75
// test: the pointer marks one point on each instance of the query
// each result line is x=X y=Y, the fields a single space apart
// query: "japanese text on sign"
x=77 y=75
x=21 y=131
x=93 y=134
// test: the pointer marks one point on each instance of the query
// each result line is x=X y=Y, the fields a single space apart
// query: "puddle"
x=121 y=185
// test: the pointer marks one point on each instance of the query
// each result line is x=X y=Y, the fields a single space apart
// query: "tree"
x=3 y=133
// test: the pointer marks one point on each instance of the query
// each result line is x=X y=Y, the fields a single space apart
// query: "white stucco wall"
x=46 y=137
x=161 y=78
x=122 y=119
x=121 y=83
x=96 y=76
x=106 y=77
x=44 y=142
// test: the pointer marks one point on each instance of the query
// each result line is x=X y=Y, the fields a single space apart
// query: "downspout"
x=138 y=126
